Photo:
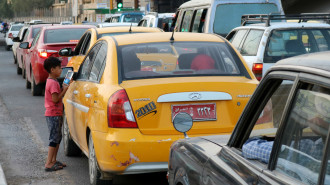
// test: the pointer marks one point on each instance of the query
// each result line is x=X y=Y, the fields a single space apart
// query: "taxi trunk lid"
x=215 y=103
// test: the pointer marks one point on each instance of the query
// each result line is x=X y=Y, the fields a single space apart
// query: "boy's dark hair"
x=51 y=62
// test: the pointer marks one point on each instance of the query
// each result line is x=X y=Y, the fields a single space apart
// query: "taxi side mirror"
x=183 y=122
x=66 y=52
x=24 y=45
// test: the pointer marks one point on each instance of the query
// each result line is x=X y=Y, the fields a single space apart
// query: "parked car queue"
x=140 y=66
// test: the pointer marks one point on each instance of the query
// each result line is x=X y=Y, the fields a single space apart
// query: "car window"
x=145 y=23
x=22 y=35
x=251 y=43
x=86 y=44
x=260 y=142
x=305 y=133
x=287 y=43
x=79 y=45
x=237 y=38
x=84 y=70
x=98 y=63
x=186 y=21
x=26 y=35
x=35 y=31
x=16 y=27
x=35 y=40
x=63 y=35
x=199 y=21
x=152 y=22
x=152 y=60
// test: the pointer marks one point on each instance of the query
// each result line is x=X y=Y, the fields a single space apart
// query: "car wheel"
x=19 y=70
x=70 y=147
x=23 y=73
x=36 y=90
x=8 y=48
x=15 y=59
x=27 y=84
x=94 y=172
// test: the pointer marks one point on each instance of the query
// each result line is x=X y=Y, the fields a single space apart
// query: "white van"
x=220 y=16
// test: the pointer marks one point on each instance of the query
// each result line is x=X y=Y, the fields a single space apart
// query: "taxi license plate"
x=198 y=112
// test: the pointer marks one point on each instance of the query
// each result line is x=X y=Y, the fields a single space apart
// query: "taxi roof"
x=165 y=37
x=126 y=29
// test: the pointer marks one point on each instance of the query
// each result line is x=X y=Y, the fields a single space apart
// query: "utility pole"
x=111 y=6
x=136 y=4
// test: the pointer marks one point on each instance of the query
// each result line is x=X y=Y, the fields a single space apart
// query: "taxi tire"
x=15 y=59
x=93 y=169
x=19 y=70
x=70 y=147
x=36 y=90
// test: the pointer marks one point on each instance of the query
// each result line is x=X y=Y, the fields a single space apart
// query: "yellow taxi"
x=120 y=107
x=92 y=35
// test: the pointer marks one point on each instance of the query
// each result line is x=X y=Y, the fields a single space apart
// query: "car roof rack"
x=266 y=18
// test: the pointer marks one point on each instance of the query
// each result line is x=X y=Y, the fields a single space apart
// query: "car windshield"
x=228 y=16
x=156 y=60
x=161 y=21
x=16 y=27
x=35 y=31
x=287 y=43
x=63 y=35
x=135 y=18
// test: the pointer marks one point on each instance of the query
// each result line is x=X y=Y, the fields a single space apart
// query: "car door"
x=82 y=98
x=235 y=163
x=301 y=154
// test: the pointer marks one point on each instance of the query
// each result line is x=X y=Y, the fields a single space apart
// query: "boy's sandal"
x=60 y=164
x=55 y=167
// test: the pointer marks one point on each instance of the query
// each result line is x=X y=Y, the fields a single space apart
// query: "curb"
x=2 y=177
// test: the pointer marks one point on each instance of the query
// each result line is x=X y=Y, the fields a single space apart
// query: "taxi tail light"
x=120 y=113
x=43 y=53
x=10 y=35
x=257 y=70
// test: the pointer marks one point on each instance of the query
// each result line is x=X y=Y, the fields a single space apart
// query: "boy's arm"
x=57 y=96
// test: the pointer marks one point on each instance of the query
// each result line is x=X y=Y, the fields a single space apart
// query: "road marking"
x=35 y=135
x=2 y=177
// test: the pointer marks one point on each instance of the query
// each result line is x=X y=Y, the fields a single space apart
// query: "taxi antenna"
x=130 y=28
x=172 y=37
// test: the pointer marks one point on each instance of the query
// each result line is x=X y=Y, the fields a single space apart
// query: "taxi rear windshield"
x=63 y=35
x=158 y=60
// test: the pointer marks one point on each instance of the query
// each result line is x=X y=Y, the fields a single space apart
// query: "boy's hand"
x=65 y=86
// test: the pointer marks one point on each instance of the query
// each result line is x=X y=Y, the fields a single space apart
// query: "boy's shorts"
x=55 y=128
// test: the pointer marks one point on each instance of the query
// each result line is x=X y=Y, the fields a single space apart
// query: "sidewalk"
x=2 y=177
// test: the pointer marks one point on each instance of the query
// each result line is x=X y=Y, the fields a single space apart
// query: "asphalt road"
x=24 y=138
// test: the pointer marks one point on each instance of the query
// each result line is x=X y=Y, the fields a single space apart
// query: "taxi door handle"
x=75 y=92
x=87 y=95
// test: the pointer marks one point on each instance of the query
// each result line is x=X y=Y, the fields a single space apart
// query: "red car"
x=21 y=53
x=47 y=43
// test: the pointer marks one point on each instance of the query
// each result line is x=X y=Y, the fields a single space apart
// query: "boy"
x=54 y=112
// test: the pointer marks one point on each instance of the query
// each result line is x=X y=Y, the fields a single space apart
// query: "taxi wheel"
x=94 y=172
x=8 y=48
x=70 y=147
x=19 y=70
x=36 y=90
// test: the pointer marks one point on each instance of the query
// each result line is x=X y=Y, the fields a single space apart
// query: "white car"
x=263 y=44
x=160 y=20
x=115 y=24
x=17 y=40
x=12 y=32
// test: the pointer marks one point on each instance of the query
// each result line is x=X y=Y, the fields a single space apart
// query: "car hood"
x=220 y=140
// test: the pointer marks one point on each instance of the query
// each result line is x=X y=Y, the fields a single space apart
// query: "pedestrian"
x=54 y=112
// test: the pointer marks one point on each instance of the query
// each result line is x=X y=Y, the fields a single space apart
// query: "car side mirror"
x=183 y=122
x=67 y=52
x=24 y=45
x=16 y=39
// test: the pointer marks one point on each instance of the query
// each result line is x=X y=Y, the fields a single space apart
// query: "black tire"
x=36 y=90
x=23 y=73
x=15 y=59
x=27 y=84
x=70 y=147
x=19 y=70
x=94 y=172
x=8 y=48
